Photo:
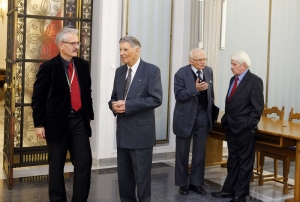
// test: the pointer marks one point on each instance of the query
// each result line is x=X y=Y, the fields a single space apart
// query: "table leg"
x=297 y=176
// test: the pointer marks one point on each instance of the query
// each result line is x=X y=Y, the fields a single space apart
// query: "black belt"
x=76 y=114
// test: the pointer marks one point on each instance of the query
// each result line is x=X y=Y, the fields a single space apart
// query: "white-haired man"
x=244 y=105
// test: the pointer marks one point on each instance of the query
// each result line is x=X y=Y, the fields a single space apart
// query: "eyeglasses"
x=199 y=60
x=72 y=43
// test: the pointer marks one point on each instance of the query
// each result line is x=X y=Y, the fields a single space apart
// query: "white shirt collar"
x=135 y=66
x=195 y=69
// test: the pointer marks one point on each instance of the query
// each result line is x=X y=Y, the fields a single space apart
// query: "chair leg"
x=258 y=161
x=286 y=171
x=252 y=177
x=275 y=168
x=257 y=168
x=262 y=162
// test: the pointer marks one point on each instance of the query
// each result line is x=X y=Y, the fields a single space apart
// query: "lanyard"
x=72 y=77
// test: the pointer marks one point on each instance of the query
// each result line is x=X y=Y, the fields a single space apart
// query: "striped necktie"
x=127 y=83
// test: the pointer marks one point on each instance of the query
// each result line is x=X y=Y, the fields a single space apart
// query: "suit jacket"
x=136 y=127
x=246 y=104
x=51 y=102
x=186 y=96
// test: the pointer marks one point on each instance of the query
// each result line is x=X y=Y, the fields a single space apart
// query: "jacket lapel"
x=61 y=73
x=208 y=81
x=80 y=71
x=190 y=80
x=206 y=76
x=241 y=85
x=231 y=80
x=121 y=79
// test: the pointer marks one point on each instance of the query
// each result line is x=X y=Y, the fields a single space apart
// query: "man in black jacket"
x=244 y=105
x=62 y=109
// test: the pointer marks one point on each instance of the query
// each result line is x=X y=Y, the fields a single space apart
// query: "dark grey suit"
x=136 y=129
x=242 y=114
x=190 y=120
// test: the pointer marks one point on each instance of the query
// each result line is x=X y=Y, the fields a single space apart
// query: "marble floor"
x=30 y=183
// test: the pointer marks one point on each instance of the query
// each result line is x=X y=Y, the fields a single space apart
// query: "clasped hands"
x=201 y=86
x=119 y=106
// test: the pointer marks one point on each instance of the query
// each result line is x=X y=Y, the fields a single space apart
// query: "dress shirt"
x=133 y=71
x=195 y=71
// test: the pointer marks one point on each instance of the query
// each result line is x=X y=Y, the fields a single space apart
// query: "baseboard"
x=113 y=161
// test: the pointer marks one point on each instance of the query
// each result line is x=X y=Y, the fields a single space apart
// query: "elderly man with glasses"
x=62 y=109
x=192 y=118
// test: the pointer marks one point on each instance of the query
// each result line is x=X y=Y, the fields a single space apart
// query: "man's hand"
x=201 y=86
x=40 y=132
x=119 y=106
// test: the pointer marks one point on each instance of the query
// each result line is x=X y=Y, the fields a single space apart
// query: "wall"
x=284 y=79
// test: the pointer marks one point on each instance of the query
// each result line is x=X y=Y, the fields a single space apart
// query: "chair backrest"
x=294 y=116
x=274 y=110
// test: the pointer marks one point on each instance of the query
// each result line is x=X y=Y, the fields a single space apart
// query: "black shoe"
x=222 y=194
x=183 y=190
x=238 y=199
x=197 y=189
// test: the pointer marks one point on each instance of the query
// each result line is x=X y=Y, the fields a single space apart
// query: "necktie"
x=200 y=75
x=74 y=88
x=233 y=88
x=127 y=82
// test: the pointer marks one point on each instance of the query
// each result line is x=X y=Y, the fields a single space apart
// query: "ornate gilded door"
x=32 y=28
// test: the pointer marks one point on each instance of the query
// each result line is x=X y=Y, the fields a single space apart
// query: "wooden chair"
x=273 y=112
x=286 y=155
x=294 y=116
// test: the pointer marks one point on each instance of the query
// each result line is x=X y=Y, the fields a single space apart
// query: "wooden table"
x=272 y=132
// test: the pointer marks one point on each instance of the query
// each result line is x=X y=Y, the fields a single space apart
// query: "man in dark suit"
x=62 y=109
x=243 y=108
x=192 y=118
x=137 y=91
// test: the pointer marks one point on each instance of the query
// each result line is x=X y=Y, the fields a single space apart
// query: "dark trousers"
x=240 y=162
x=134 y=172
x=76 y=140
x=199 y=135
